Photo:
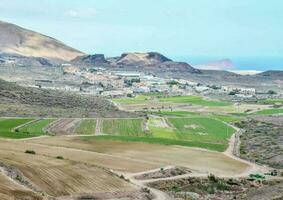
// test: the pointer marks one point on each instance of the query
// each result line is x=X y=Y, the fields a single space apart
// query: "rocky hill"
x=150 y=62
x=17 y=40
x=271 y=74
x=90 y=60
x=141 y=59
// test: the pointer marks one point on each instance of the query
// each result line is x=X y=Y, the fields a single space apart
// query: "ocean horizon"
x=258 y=63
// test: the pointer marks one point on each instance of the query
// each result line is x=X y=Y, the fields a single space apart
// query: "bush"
x=212 y=178
x=146 y=190
x=60 y=157
x=30 y=151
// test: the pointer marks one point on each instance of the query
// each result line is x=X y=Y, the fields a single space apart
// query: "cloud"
x=80 y=13
x=225 y=64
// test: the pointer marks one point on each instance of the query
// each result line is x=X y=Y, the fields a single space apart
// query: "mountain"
x=90 y=60
x=225 y=64
x=143 y=59
x=271 y=74
x=17 y=40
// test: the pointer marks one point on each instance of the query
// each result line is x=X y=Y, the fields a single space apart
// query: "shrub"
x=60 y=157
x=30 y=151
x=212 y=178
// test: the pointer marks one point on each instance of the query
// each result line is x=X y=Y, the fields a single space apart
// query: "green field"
x=36 y=128
x=201 y=129
x=194 y=100
x=174 y=113
x=197 y=100
x=160 y=132
x=140 y=99
x=272 y=101
x=123 y=127
x=227 y=118
x=86 y=127
x=6 y=126
x=162 y=141
x=270 y=111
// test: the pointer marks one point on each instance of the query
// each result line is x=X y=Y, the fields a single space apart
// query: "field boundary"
x=23 y=125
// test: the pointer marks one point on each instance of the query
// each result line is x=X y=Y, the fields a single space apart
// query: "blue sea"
x=240 y=63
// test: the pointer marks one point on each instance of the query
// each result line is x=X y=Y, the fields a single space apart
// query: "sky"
x=250 y=32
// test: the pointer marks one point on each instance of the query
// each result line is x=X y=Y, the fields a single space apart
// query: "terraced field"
x=86 y=127
x=124 y=127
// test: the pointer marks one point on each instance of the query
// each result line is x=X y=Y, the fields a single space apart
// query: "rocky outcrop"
x=91 y=60
x=143 y=59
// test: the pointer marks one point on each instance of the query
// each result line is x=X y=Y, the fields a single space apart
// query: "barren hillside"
x=17 y=40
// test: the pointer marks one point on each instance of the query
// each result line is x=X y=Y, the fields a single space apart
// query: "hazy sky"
x=176 y=28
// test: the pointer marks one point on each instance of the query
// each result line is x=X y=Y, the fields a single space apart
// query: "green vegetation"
x=162 y=141
x=227 y=118
x=30 y=151
x=197 y=100
x=269 y=111
x=175 y=113
x=124 y=127
x=7 y=125
x=194 y=100
x=160 y=132
x=201 y=129
x=272 y=101
x=86 y=127
x=140 y=99
x=36 y=128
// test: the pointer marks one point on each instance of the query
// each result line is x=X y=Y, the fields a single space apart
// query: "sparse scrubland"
x=220 y=188
x=262 y=141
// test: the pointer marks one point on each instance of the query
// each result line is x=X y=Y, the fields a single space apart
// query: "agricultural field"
x=197 y=100
x=63 y=126
x=270 y=111
x=219 y=147
x=124 y=127
x=272 y=101
x=228 y=118
x=131 y=156
x=86 y=127
x=36 y=128
x=58 y=177
x=194 y=100
x=160 y=128
x=175 y=113
x=202 y=129
x=140 y=99
x=8 y=124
